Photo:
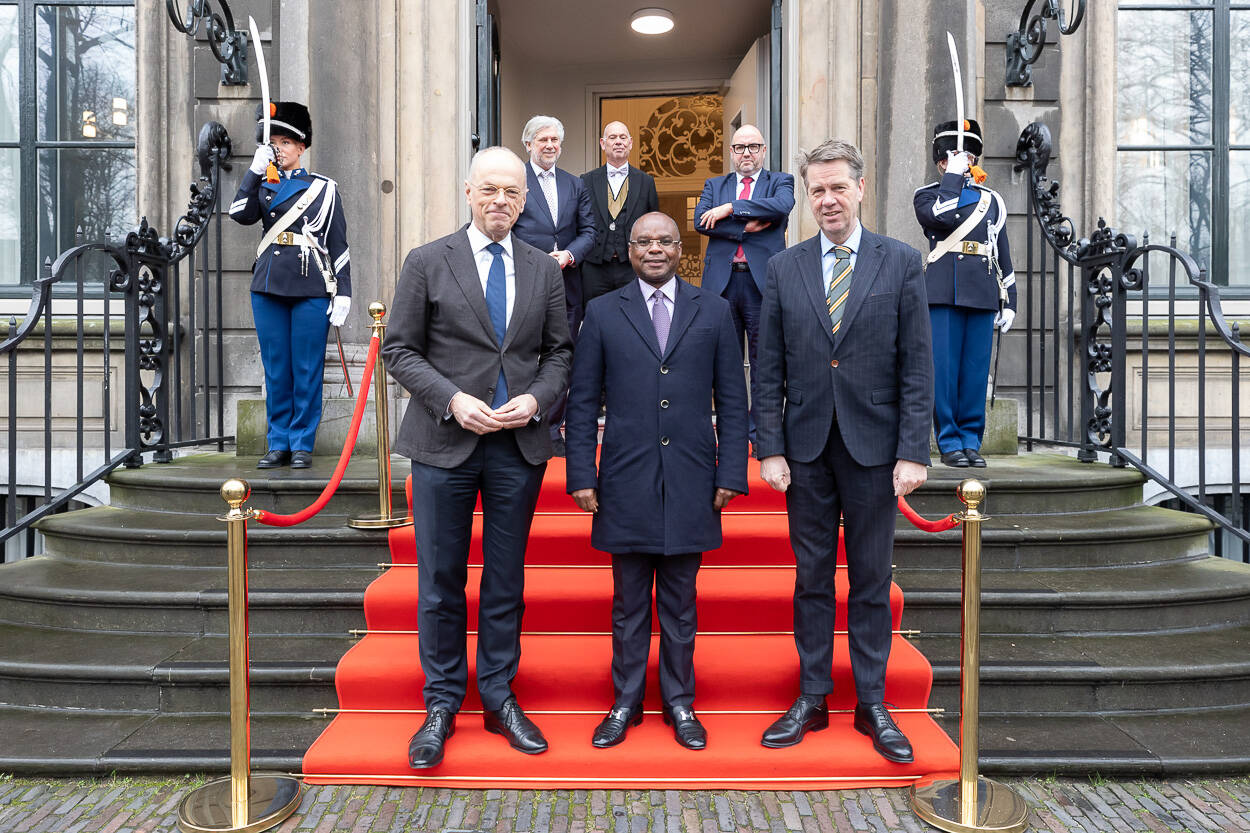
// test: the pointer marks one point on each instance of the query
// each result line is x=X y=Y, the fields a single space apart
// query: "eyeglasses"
x=754 y=147
x=647 y=242
x=489 y=192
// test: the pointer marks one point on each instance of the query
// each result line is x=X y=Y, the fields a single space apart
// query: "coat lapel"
x=814 y=281
x=564 y=196
x=527 y=294
x=599 y=187
x=684 y=310
x=464 y=270
x=867 y=265
x=634 y=306
x=634 y=179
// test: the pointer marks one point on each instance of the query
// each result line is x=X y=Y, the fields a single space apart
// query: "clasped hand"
x=588 y=499
x=475 y=415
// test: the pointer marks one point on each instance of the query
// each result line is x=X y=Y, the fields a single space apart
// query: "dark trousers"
x=601 y=278
x=674 y=578
x=442 y=502
x=744 y=304
x=574 y=309
x=292 y=336
x=830 y=486
x=962 y=342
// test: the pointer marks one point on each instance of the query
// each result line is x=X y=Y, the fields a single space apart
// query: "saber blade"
x=959 y=93
x=265 y=101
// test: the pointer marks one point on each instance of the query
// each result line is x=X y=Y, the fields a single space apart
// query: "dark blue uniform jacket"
x=957 y=279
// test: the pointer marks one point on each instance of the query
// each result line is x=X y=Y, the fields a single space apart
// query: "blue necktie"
x=497 y=306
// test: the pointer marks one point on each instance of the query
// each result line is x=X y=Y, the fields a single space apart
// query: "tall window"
x=67 y=128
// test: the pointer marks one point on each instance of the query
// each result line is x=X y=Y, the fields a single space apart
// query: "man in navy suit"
x=845 y=383
x=660 y=352
x=559 y=219
x=745 y=214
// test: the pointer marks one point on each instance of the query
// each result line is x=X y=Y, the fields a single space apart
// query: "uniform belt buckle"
x=971 y=247
x=286 y=238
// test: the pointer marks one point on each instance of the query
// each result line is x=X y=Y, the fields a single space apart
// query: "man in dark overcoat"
x=660 y=352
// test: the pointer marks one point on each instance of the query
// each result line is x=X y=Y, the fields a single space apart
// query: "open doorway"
x=681 y=93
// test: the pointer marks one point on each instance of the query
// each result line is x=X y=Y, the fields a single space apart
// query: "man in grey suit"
x=845 y=399
x=479 y=337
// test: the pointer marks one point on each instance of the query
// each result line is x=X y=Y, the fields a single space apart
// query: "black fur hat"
x=287 y=118
x=945 y=136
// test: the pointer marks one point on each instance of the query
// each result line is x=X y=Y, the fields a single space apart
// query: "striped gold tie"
x=839 y=284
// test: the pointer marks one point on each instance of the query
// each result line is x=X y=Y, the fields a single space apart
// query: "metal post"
x=240 y=802
x=971 y=803
x=384 y=519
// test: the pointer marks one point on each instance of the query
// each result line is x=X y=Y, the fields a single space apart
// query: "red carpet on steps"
x=745 y=663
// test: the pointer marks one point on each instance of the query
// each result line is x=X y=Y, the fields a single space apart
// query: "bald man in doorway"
x=620 y=193
x=745 y=214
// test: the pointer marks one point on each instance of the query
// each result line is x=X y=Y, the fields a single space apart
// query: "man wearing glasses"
x=659 y=351
x=745 y=214
x=479 y=337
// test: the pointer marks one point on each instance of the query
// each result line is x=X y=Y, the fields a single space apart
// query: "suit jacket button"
x=663 y=440
x=833 y=363
x=273 y=214
x=276 y=253
x=664 y=369
x=663 y=403
x=490 y=390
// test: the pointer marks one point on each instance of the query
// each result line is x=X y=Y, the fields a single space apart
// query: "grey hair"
x=832 y=150
x=494 y=150
x=538 y=123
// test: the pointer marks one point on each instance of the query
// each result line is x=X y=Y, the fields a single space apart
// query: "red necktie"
x=740 y=256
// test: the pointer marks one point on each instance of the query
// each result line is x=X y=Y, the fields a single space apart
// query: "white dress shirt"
x=755 y=180
x=617 y=177
x=479 y=241
x=670 y=295
x=851 y=243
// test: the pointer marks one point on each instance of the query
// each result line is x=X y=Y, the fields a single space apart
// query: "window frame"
x=1220 y=147
x=29 y=145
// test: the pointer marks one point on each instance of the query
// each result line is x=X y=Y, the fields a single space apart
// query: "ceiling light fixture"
x=651 y=21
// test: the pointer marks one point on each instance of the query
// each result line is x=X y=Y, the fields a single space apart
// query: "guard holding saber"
x=302 y=275
x=971 y=287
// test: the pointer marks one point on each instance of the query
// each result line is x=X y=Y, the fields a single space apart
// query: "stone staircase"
x=1112 y=641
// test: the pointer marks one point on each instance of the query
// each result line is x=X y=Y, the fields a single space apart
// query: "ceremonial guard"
x=301 y=277
x=971 y=287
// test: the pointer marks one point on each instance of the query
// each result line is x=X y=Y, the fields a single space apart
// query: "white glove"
x=1004 y=319
x=958 y=162
x=264 y=155
x=339 y=305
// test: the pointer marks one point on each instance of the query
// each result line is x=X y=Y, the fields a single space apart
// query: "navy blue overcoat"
x=662 y=460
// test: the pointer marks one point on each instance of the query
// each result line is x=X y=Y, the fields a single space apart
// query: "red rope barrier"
x=923 y=524
x=273 y=518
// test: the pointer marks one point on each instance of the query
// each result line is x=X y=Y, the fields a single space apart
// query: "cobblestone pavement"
x=1058 y=805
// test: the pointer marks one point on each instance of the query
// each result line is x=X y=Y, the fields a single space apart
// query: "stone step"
x=83 y=595
x=1146 y=599
x=1065 y=674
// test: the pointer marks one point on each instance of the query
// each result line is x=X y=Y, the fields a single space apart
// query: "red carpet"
x=745 y=662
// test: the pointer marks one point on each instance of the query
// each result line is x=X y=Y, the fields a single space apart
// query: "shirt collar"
x=623 y=170
x=478 y=241
x=755 y=177
x=851 y=243
x=669 y=289
x=538 y=169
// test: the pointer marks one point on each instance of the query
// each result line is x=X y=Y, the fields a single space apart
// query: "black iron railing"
x=1158 y=388
x=140 y=316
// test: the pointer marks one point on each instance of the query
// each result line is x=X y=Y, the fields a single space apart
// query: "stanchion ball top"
x=971 y=492
x=376 y=310
x=235 y=492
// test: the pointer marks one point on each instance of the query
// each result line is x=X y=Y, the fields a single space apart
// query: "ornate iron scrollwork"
x=229 y=45
x=1024 y=46
x=1033 y=155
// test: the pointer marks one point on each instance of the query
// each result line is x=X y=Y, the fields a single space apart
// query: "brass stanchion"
x=384 y=519
x=241 y=802
x=971 y=803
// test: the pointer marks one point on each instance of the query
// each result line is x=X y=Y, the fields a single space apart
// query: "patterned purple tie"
x=660 y=318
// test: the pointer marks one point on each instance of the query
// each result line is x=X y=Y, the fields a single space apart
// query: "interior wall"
x=742 y=96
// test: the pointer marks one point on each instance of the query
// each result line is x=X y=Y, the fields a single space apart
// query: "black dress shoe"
x=686 y=728
x=956 y=459
x=274 y=459
x=426 y=747
x=301 y=459
x=974 y=458
x=611 y=730
x=808 y=714
x=875 y=721
x=517 y=729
